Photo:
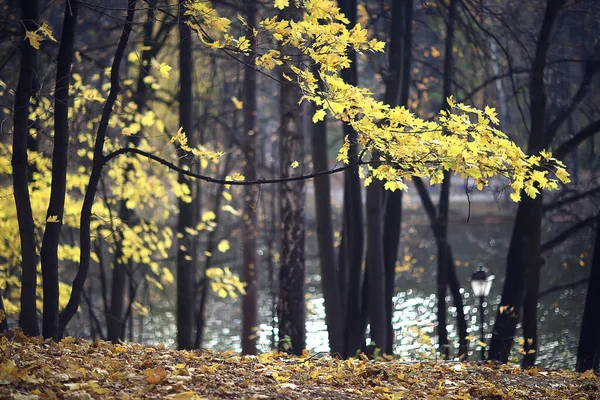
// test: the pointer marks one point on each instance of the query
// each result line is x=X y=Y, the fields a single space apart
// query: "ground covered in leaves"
x=32 y=368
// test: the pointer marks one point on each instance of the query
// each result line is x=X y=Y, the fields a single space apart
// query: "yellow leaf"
x=319 y=116
x=34 y=39
x=280 y=378
x=223 y=245
x=208 y=216
x=184 y=396
x=295 y=164
x=531 y=192
x=281 y=4
x=47 y=31
x=52 y=218
x=237 y=104
x=228 y=208
x=227 y=196
x=162 y=68
x=156 y=375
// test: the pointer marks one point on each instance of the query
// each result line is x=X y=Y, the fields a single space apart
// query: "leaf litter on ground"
x=34 y=368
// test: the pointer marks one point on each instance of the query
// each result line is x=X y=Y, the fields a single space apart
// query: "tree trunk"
x=452 y=278
x=3 y=320
x=20 y=164
x=588 y=352
x=444 y=204
x=56 y=206
x=97 y=165
x=187 y=213
x=114 y=318
x=375 y=264
x=291 y=308
x=400 y=56
x=351 y=260
x=249 y=234
x=523 y=259
x=334 y=316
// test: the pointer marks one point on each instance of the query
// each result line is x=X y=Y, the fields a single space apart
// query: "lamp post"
x=481 y=284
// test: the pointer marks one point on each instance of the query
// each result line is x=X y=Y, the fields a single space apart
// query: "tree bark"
x=400 y=64
x=3 y=316
x=249 y=234
x=523 y=259
x=20 y=164
x=350 y=265
x=444 y=204
x=97 y=165
x=291 y=307
x=452 y=277
x=334 y=316
x=114 y=318
x=588 y=352
x=56 y=206
x=375 y=264
x=187 y=214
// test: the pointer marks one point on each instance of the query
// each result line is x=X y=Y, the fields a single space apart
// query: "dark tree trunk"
x=588 y=352
x=398 y=85
x=187 y=213
x=97 y=165
x=56 y=206
x=375 y=264
x=249 y=234
x=452 y=278
x=291 y=308
x=444 y=204
x=523 y=259
x=3 y=316
x=114 y=318
x=28 y=314
x=334 y=316
x=351 y=260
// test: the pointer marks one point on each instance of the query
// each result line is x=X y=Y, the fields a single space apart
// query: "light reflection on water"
x=414 y=317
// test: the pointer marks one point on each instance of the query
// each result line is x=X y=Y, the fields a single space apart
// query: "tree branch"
x=556 y=288
x=591 y=68
x=561 y=237
x=571 y=144
x=209 y=179
x=570 y=199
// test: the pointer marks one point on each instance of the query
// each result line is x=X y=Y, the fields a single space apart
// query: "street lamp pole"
x=481 y=284
x=481 y=323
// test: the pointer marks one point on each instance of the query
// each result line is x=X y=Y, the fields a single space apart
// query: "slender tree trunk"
x=115 y=322
x=350 y=265
x=452 y=278
x=20 y=163
x=3 y=316
x=291 y=308
x=97 y=165
x=444 y=204
x=56 y=206
x=398 y=86
x=187 y=212
x=523 y=259
x=334 y=316
x=249 y=234
x=588 y=352
x=375 y=264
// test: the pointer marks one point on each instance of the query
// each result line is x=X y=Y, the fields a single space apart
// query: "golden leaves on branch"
x=464 y=140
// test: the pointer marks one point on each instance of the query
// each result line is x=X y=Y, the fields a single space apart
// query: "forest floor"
x=32 y=368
